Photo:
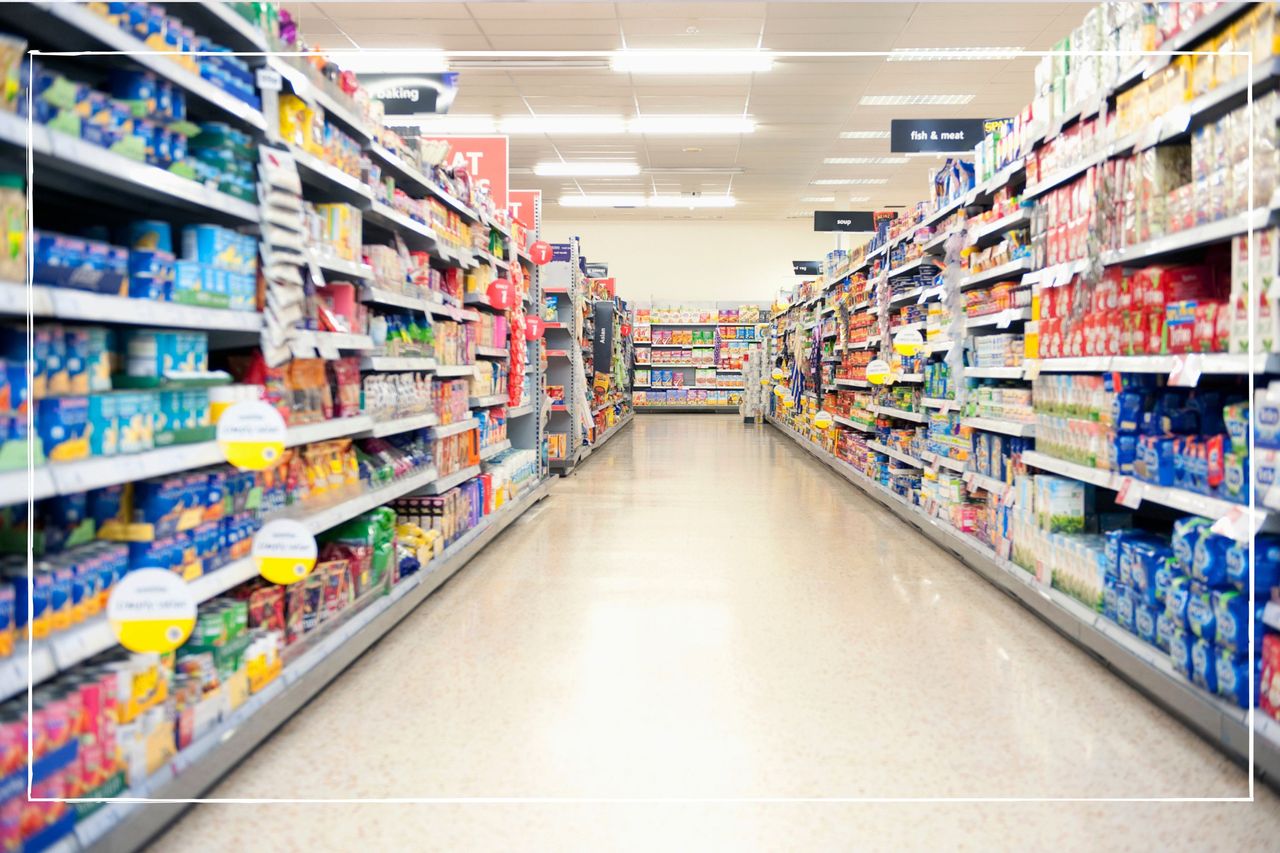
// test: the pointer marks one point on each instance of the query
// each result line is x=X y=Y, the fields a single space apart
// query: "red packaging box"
x=1163 y=285
x=1269 y=685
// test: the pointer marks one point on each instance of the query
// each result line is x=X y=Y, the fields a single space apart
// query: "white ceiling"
x=800 y=107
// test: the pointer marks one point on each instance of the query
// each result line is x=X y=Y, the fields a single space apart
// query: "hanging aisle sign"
x=938 y=135
x=484 y=158
x=602 y=338
x=843 y=220
x=806 y=267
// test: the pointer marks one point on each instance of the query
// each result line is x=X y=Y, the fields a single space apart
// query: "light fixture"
x=865 y=161
x=841 y=182
x=818 y=199
x=856 y=198
x=913 y=100
x=447 y=124
x=691 y=125
x=660 y=201
x=692 y=201
x=936 y=54
x=584 y=200
x=590 y=125
x=394 y=61
x=865 y=134
x=690 y=61
x=586 y=168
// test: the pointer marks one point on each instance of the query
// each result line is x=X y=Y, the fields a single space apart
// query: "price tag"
x=969 y=477
x=1002 y=548
x=327 y=349
x=269 y=80
x=1150 y=135
x=1010 y=496
x=1130 y=493
x=1186 y=370
x=1005 y=319
x=313 y=269
x=1239 y=523
x=1176 y=122
x=1031 y=369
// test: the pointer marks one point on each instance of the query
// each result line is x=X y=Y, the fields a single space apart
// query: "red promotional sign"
x=500 y=294
x=625 y=329
x=484 y=158
x=540 y=252
x=523 y=206
x=532 y=328
x=608 y=284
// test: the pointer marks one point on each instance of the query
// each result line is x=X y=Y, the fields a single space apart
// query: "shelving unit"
x=1004 y=338
x=69 y=171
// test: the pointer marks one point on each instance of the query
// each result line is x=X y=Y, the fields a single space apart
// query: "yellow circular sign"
x=151 y=610
x=778 y=375
x=878 y=371
x=251 y=435
x=908 y=342
x=823 y=420
x=284 y=551
x=788 y=403
x=779 y=390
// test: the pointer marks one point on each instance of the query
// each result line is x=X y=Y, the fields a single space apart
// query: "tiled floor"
x=705 y=612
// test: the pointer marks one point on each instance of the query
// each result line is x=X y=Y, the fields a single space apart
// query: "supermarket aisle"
x=704 y=611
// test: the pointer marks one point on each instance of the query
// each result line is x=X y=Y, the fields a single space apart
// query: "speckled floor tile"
x=703 y=611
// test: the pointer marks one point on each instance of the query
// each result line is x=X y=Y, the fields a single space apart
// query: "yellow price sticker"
x=151 y=610
x=251 y=434
x=284 y=551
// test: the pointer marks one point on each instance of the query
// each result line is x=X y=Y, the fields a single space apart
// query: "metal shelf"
x=78 y=167
x=494 y=449
x=331 y=181
x=1000 y=319
x=491 y=400
x=351 y=269
x=853 y=424
x=194 y=770
x=1178 y=499
x=896 y=454
x=396 y=426
x=491 y=352
x=1142 y=665
x=520 y=411
x=407 y=174
x=66 y=303
x=1006 y=270
x=918 y=417
x=1014 y=428
x=449 y=370
x=444 y=430
x=448 y=481
x=392 y=363
x=993 y=372
x=65 y=649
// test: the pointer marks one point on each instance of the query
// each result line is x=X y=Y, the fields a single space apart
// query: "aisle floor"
x=704 y=611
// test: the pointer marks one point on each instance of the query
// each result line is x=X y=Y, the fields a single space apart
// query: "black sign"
x=843 y=220
x=936 y=135
x=602 y=339
x=413 y=94
x=807 y=267
x=596 y=270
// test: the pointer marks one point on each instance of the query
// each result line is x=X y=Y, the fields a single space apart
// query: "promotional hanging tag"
x=284 y=551
x=251 y=434
x=151 y=610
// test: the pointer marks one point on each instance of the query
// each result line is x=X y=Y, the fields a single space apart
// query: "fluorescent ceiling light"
x=840 y=182
x=663 y=201
x=691 y=125
x=374 y=61
x=859 y=198
x=586 y=168
x=692 y=201
x=865 y=134
x=913 y=100
x=934 y=54
x=602 y=201
x=562 y=124
x=690 y=61
x=447 y=124
x=865 y=161
x=818 y=198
